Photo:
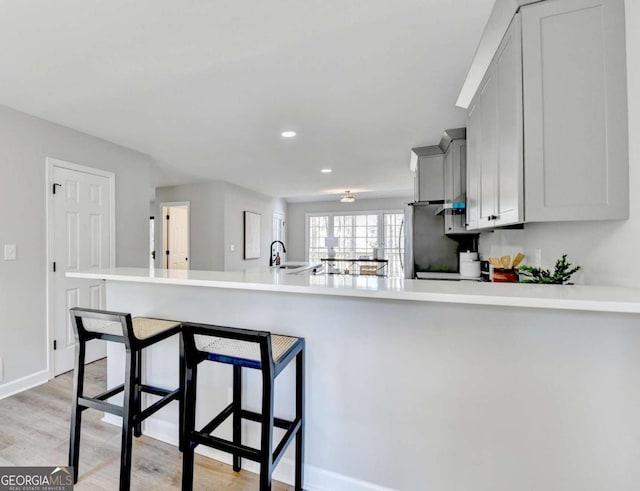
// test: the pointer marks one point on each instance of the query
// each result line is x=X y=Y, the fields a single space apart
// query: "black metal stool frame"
x=270 y=370
x=131 y=411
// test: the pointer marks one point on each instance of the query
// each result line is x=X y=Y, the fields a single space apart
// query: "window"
x=393 y=240
x=357 y=235
x=318 y=228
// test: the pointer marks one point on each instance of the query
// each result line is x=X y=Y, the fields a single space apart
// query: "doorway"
x=175 y=235
x=278 y=232
x=80 y=236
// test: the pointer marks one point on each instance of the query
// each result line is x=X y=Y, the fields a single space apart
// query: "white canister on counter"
x=469 y=265
x=470 y=269
x=468 y=256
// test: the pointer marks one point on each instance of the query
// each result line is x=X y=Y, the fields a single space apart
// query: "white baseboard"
x=24 y=383
x=316 y=479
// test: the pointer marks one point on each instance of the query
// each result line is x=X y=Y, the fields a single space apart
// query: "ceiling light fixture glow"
x=326 y=171
x=288 y=134
x=347 y=197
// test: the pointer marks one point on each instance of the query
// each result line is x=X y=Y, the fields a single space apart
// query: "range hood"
x=456 y=207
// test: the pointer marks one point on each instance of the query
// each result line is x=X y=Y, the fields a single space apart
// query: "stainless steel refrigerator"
x=427 y=248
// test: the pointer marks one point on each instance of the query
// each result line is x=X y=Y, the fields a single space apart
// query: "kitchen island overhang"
x=407 y=392
x=561 y=297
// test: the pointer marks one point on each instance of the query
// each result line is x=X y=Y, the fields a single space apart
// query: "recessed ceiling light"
x=326 y=171
x=288 y=134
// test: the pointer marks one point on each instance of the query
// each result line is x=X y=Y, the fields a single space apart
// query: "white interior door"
x=278 y=226
x=176 y=236
x=278 y=232
x=81 y=240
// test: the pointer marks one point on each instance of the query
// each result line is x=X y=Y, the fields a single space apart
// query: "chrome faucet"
x=271 y=256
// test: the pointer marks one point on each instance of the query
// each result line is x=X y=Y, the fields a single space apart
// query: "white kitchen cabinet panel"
x=575 y=110
x=494 y=140
x=474 y=142
x=455 y=184
x=488 y=149
x=429 y=173
x=509 y=189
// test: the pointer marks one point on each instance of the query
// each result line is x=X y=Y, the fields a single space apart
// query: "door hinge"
x=55 y=185
x=167 y=253
x=54 y=266
x=167 y=217
x=55 y=344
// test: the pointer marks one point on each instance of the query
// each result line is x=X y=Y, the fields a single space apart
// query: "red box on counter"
x=501 y=275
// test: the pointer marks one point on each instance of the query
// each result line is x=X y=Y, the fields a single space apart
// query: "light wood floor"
x=34 y=430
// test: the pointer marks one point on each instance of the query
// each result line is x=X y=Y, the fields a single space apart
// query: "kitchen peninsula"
x=421 y=384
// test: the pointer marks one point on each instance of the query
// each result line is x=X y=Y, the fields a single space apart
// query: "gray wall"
x=296 y=217
x=237 y=200
x=216 y=209
x=26 y=142
x=206 y=207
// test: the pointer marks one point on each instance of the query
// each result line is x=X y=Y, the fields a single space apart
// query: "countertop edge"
x=435 y=297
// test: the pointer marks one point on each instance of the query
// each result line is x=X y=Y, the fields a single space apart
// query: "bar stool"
x=258 y=350
x=136 y=334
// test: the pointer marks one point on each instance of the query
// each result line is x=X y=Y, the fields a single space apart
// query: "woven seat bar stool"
x=259 y=350
x=136 y=334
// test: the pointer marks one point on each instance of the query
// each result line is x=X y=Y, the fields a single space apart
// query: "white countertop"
x=576 y=297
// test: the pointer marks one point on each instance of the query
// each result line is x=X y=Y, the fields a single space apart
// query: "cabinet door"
x=575 y=129
x=431 y=178
x=488 y=149
x=455 y=179
x=448 y=188
x=474 y=156
x=448 y=175
x=509 y=171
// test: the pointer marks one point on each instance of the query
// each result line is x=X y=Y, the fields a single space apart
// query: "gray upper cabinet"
x=474 y=140
x=575 y=110
x=454 y=145
x=428 y=165
x=494 y=140
x=510 y=168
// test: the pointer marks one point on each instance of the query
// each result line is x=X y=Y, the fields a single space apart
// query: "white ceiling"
x=206 y=87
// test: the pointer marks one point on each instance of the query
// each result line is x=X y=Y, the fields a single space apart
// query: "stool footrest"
x=286 y=439
x=88 y=402
x=226 y=446
x=156 y=406
x=110 y=393
x=218 y=420
x=204 y=435
x=156 y=391
x=257 y=418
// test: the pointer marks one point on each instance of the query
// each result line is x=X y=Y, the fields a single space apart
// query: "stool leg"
x=237 y=419
x=266 y=439
x=128 y=412
x=191 y=377
x=76 y=410
x=137 y=397
x=181 y=384
x=300 y=415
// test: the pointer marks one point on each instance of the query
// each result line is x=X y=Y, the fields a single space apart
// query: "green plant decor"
x=560 y=276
